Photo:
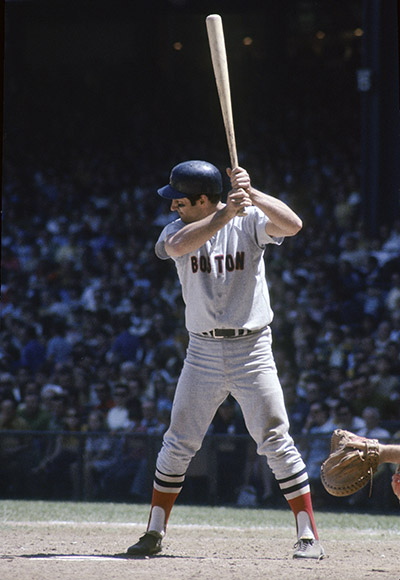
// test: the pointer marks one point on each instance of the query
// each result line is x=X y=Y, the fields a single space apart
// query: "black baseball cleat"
x=148 y=545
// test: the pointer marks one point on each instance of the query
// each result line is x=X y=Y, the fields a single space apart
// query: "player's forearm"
x=192 y=236
x=389 y=453
x=283 y=220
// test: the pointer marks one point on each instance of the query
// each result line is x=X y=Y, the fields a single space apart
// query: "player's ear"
x=202 y=199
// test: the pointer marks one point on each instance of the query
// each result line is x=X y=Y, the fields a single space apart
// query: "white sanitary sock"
x=157 y=520
x=304 y=528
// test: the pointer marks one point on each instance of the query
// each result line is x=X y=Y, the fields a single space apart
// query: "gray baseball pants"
x=214 y=367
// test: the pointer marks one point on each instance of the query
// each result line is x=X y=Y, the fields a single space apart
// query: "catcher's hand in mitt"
x=351 y=464
x=396 y=483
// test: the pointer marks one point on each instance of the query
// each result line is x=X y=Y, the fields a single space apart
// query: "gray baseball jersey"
x=223 y=282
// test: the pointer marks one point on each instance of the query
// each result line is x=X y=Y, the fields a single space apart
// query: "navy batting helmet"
x=192 y=178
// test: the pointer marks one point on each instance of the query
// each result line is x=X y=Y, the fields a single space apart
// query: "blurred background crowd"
x=93 y=337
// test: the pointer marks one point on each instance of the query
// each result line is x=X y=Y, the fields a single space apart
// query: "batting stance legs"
x=213 y=368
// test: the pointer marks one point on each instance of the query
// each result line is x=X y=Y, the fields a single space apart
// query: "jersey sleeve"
x=260 y=221
x=169 y=229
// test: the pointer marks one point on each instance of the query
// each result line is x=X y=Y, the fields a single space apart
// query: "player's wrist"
x=257 y=196
x=226 y=214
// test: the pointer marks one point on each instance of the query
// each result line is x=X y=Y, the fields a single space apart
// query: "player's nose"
x=174 y=205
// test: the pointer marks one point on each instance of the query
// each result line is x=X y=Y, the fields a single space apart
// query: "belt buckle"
x=226 y=333
x=217 y=333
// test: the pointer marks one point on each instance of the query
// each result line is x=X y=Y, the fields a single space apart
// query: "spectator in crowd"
x=58 y=403
x=393 y=354
x=333 y=347
x=372 y=428
x=383 y=380
x=372 y=301
x=125 y=346
x=317 y=432
x=229 y=420
x=392 y=300
x=54 y=475
x=103 y=399
x=171 y=294
x=58 y=349
x=353 y=252
x=142 y=323
x=33 y=352
x=15 y=456
x=151 y=422
x=382 y=335
x=31 y=388
x=8 y=388
x=366 y=395
x=37 y=418
x=127 y=371
x=344 y=417
x=99 y=454
x=162 y=390
x=296 y=405
x=347 y=391
x=118 y=417
x=80 y=389
x=126 y=478
x=32 y=412
x=318 y=420
x=311 y=390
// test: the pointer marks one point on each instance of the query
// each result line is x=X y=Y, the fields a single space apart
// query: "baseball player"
x=219 y=256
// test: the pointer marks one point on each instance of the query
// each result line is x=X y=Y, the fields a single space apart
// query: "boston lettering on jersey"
x=203 y=264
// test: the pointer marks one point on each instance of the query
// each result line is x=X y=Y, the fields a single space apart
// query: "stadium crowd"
x=93 y=333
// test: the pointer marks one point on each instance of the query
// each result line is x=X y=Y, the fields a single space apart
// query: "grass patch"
x=57 y=511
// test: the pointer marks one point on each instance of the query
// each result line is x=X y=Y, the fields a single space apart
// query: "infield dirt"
x=41 y=551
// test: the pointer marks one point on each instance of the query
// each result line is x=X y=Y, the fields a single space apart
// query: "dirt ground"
x=95 y=551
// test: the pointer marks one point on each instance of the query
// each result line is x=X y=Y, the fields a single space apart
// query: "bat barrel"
x=220 y=66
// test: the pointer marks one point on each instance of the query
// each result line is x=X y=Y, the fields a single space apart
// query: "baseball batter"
x=219 y=257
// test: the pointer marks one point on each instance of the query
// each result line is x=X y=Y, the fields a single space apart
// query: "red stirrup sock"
x=166 y=489
x=296 y=490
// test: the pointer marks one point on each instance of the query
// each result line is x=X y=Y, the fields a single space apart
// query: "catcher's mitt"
x=351 y=464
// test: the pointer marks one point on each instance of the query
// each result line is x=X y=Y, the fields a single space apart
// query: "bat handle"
x=234 y=160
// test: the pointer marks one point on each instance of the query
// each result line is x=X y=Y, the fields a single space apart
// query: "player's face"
x=187 y=212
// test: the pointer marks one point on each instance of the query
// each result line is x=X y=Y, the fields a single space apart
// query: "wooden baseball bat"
x=216 y=41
